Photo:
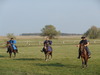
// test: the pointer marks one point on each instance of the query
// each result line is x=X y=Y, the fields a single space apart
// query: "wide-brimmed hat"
x=12 y=38
x=82 y=37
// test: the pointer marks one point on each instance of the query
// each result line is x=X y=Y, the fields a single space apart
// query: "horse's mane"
x=82 y=47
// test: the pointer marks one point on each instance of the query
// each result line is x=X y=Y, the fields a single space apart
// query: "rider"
x=86 y=43
x=47 y=44
x=13 y=42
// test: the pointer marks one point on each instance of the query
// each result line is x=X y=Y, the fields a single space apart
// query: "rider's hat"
x=11 y=38
x=82 y=37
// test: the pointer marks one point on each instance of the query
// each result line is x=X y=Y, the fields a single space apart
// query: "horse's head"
x=10 y=48
x=81 y=46
x=8 y=43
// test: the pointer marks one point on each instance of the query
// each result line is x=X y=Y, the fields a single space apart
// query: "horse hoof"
x=82 y=67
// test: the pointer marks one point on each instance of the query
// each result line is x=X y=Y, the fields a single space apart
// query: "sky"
x=30 y=16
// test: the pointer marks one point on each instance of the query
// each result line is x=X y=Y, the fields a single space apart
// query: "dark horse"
x=84 y=55
x=47 y=53
x=10 y=49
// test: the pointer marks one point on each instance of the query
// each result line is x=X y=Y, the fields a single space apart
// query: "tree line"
x=92 y=33
x=51 y=32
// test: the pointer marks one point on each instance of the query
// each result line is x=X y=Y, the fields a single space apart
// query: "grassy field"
x=30 y=61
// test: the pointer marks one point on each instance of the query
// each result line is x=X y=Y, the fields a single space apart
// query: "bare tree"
x=11 y=35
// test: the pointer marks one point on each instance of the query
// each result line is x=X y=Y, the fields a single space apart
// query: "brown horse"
x=47 y=53
x=11 y=50
x=84 y=55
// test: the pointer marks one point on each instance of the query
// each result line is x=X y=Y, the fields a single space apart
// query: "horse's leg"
x=86 y=60
x=83 y=62
x=51 y=55
x=10 y=55
x=86 y=63
x=14 y=54
x=46 y=56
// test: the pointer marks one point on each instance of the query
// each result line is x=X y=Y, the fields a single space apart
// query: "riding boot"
x=43 y=49
x=79 y=54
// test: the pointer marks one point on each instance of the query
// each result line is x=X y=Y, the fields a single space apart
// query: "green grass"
x=30 y=61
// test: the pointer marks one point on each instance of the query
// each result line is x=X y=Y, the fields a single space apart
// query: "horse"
x=84 y=55
x=47 y=52
x=11 y=50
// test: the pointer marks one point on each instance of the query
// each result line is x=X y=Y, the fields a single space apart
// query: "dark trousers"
x=88 y=51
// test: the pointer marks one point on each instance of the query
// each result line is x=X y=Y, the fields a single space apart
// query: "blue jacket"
x=12 y=42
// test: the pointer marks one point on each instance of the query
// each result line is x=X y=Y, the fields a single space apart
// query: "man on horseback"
x=13 y=42
x=47 y=45
x=85 y=42
x=47 y=49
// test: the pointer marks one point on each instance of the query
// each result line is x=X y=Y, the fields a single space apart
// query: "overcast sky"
x=30 y=16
